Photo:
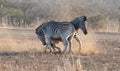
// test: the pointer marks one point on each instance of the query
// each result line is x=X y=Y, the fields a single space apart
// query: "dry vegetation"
x=103 y=15
x=23 y=52
x=20 y=49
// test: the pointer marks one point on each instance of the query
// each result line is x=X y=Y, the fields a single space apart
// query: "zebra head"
x=82 y=24
x=42 y=39
x=40 y=34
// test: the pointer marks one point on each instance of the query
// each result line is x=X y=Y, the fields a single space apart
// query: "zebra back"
x=55 y=29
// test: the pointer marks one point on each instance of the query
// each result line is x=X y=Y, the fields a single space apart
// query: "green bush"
x=14 y=12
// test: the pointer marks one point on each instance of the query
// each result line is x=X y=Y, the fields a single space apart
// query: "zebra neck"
x=75 y=24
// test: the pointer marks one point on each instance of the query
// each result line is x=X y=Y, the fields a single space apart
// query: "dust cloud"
x=89 y=44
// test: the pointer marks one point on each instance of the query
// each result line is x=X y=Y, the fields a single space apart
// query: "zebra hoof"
x=47 y=51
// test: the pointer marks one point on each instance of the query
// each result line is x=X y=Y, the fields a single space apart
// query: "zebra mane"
x=77 y=21
x=38 y=30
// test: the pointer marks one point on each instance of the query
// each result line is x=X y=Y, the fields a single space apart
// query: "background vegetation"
x=103 y=15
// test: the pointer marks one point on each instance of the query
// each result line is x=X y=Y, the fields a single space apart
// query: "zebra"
x=79 y=22
x=41 y=37
x=63 y=31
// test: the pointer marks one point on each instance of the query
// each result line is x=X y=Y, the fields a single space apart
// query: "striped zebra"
x=78 y=22
x=41 y=37
x=62 y=31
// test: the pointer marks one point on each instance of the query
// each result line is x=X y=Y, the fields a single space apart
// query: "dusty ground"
x=20 y=50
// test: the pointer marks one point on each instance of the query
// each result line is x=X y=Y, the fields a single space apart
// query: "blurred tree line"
x=24 y=13
x=15 y=13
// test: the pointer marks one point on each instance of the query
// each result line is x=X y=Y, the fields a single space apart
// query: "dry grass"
x=11 y=44
x=89 y=44
x=19 y=53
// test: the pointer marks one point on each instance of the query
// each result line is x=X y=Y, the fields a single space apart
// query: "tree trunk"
x=0 y=21
x=119 y=25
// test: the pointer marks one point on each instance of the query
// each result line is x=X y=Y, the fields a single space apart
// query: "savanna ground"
x=20 y=50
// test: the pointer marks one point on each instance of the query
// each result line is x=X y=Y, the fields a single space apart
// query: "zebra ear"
x=84 y=17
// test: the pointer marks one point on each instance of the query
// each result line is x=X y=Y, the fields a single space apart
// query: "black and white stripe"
x=41 y=37
x=61 y=31
x=58 y=30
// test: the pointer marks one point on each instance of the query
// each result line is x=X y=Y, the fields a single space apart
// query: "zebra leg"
x=70 y=51
x=79 y=41
x=65 y=42
x=59 y=50
x=48 y=44
x=70 y=41
x=54 y=46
